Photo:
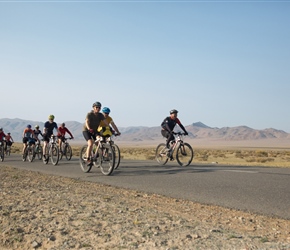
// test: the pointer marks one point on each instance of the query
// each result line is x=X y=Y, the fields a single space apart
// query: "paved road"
x=257 y=189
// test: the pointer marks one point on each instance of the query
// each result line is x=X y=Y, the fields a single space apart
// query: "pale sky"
x=224 y=63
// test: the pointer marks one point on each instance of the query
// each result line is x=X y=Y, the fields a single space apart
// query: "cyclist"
x=28 y=136
x=9 y=140
x=2 y=137
x=37 y=132
x=49 y=126
x=107 y=130
x=168 y=125
x=90 y=127
x=61 y=134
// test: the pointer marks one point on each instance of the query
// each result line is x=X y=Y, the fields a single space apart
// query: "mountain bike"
x=38 y=150
x=102 y=156
x=29 y=152
x=52 y=151
x=65 y=149
x=184 y=152
x=2 y=150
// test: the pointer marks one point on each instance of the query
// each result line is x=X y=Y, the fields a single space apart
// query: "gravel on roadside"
x=39 y=211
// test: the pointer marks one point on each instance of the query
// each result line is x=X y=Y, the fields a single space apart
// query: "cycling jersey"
x=2 y=136
x=169 y=124
x=37 y=132
x=28 y=132
x=106 y=130
x=64 y=130
x=49 y=128
x=94 y=120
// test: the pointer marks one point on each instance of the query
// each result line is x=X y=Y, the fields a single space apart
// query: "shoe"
x=171 y=158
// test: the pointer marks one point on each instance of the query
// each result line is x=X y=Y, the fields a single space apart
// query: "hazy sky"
x=224 y=63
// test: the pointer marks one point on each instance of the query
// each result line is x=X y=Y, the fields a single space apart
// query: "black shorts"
x=88 y=136
x=31 y=140
x=46 y=137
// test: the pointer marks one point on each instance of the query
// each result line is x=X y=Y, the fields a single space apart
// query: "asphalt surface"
x=261 y=190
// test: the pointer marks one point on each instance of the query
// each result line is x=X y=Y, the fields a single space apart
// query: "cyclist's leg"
x=24 y=140
x=45 y=143
x=90 y=138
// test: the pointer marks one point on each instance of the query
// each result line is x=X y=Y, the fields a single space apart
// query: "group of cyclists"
x=6 y=139
x=97 y=123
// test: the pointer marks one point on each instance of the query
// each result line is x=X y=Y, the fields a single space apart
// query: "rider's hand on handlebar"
x=91 y=130
x=185 y=133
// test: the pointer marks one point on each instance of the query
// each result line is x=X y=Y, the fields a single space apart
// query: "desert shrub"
x=261 y=154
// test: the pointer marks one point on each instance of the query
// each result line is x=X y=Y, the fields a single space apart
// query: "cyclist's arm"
x=115 y=127
x=67 y=130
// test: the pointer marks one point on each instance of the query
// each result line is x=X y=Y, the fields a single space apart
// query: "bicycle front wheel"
x=54 y=154
x=161 y=154
x=67 y=152
x=83 y=162
x=38 y=152
x=117 y=155
x=184 y=154
x=107 y=160
x=2 y=153
x=30 y=153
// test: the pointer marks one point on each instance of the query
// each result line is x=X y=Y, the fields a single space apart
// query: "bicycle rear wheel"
x=117 y=155
x=83 y=162
x=67 y=152
x=161 y=154
x=184 y=154
x=54 y=154
x=107 y=157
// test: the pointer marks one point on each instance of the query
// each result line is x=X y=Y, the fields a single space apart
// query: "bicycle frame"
x=179 y=148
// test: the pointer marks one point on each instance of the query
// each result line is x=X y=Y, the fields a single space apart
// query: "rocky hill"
x=196 y=130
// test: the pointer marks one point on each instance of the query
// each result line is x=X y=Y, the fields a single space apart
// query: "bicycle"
x=29 y=152
x=52 y=151
x=2 y=150
x=116 y=150
x=65 y=149
x=102 y=156
x=38 y=150
x=8 y=149
x=184 y=152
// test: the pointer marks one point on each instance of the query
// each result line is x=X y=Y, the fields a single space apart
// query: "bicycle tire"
x=107 y=159
x=184 y=154
x=83 y=163
x=67 y=152
x=54 y=154
x=116 y=149
x=2 y=153
x=38 y=152
x=24 y=156
x=30 y=153
x=161 y=154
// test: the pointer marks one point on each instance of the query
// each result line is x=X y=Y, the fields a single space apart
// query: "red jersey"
x=2 y=136
x=64 y=130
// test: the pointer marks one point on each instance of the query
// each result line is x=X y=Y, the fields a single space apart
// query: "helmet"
x=51 y=117
x=8 y=133
x=1 y=129
x=63 y=124
x=173 y=111
x=36 y=126
x=106 y=110
x=97 y=104
x=28 y=126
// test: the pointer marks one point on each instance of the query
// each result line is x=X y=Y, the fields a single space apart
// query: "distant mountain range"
x=196 y=130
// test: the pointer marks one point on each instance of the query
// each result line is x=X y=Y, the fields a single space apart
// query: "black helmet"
x=173 y=111
x=97 y=104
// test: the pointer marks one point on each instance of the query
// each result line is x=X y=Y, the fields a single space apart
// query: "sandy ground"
x=39 y=211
